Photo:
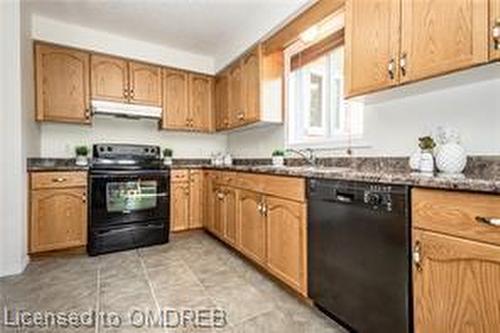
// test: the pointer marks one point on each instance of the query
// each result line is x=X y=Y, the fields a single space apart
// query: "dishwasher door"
x=359 y=254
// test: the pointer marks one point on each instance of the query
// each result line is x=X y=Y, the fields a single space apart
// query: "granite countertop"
x=481 y=175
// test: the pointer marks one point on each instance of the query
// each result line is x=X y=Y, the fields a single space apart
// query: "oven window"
x=126 y=197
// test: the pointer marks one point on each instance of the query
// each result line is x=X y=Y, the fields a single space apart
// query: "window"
x=317 y=114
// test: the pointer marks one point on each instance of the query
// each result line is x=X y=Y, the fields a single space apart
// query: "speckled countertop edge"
x=473 y=183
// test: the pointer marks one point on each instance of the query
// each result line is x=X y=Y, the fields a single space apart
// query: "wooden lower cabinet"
x=286 y=242
x=186 y=200
x=252 y=226
x=225 y=225
x=179 y=203
x=58 y=214
x=456 y=284
x=195 y=199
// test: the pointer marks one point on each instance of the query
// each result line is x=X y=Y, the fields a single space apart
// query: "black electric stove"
x=129 y=198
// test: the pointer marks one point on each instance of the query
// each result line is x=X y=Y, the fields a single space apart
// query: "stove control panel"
x=124 y=151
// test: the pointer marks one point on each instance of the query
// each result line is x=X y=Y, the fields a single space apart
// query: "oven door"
x=123 y=197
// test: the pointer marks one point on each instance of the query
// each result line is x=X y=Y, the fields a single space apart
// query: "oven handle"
x=115 y=231
x=111 y=174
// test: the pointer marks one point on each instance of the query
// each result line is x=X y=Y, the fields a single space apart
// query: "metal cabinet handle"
x=403 y=63
x=88 y=113
x=417 y=256
x=84 y=198
x=125 y=93
x=489 y=220
x=220 y=195
x=391 y=69
x=264 y=209
x=58 y=180
x=259 y=207
x=495 y=32
x=132 y=94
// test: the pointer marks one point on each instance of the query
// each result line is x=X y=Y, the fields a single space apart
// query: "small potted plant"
x=278 y=157
x=167 y=156
x=82 y=153
x=427 y=146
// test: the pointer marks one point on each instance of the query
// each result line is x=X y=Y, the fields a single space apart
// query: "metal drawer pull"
x=59 y=180
x=488 y=220
x=391 y=68
x=496 y=34
x=417 y=256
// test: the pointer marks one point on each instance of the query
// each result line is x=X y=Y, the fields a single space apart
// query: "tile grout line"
x=150 y=283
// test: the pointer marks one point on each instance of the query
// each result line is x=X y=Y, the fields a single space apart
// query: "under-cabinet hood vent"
x=123 y=110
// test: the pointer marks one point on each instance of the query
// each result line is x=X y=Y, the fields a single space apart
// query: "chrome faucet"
x=307 y=154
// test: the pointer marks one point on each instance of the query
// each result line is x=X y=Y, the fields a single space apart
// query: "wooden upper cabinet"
x=58 y=219
x=175 y=99
x=252 y=226
x=62 y=84
x=222 y=102
x=201 y=101
x=109 y=78
x=494 y=34
x=372 y=45
x=236 y=115
x=441 y=36
x=286 y=242
x=456 y=285
x=250 y=86
x=145 y=84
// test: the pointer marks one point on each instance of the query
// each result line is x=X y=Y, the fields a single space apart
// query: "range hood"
x=125 y=110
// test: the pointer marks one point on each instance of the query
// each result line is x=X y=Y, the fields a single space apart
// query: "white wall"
x=13 y=184
x=59 y=140
x=82 y=37
x=468 y=101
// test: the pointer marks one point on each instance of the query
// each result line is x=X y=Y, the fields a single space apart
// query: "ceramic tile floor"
x=193 y=272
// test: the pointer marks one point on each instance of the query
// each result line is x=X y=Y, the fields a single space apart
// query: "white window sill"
x=330 y=144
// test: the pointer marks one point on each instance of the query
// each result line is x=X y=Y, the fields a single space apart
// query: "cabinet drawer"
x=284 y=187
x=179 y=175
x=457 y=213
x=47 y=180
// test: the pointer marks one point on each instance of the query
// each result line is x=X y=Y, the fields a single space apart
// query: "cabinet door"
x=195 y=197
x=210 y=200
x=494 y=35
x=221 y=102
x=58 y=219
x=109 y=78
x=62 y=84
x=175 y=99
x=219 y=212
x=372 y=45
x=235 y=96
x=201 y=102
x=286 y=242
x=251 y=86
x=457 y=285
x=230 y=216
x=145 y=84
x=179 y=209
x=441 y=36
x=252 y=226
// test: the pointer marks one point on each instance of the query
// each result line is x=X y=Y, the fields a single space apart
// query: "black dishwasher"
x=359 y=254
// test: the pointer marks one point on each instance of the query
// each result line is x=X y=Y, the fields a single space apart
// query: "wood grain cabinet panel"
x=286 y=242
x=230 y=216
x=201 y=102
x=145 y=84
x=456 y=285
x=372 y=45
x=494 y=32
x=175 y=99
x=179 y=209
x=441 y=36
x=109 y=78
x=252 y=226
x=236 y=115
x=195 y=199
x=58 y=219
x=210 y=200
x=222 y=102
x=62 y=84
x=251 y=80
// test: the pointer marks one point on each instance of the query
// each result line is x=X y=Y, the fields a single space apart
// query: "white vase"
x=415 y=159
x=278 y=160
x=426 y=162
x=82 y=160
x=167 y=161
x=451 y=158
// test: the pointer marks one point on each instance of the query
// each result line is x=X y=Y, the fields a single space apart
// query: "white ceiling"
x=220 y=29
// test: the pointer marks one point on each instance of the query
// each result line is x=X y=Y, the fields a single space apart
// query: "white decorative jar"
x=426 y=162
x=278 y=160
x=415 y=159
x=451 y=158
x=81 y=160
x=167 y=160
